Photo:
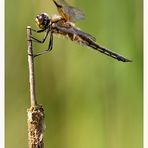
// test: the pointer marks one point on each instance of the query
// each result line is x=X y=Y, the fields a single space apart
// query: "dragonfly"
x=64 y=24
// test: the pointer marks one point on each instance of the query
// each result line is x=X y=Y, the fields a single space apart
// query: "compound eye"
x=42 y=20
x=39 y=20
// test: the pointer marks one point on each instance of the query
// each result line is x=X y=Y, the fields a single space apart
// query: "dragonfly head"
x=42 y=21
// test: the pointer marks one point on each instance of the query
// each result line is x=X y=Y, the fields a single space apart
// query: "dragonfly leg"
x=42 y=40
x=38 y=31
x=49 y=46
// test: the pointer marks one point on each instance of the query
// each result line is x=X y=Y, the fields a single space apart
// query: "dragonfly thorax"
x=42 y=20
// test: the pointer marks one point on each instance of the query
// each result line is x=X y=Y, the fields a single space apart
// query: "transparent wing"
x=85 y=35
x=68 y=12
x=74 y=13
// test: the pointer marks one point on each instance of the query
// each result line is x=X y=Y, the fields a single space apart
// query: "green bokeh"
x=90 y=100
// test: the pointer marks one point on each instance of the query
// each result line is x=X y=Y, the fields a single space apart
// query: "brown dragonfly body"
x=63 y=24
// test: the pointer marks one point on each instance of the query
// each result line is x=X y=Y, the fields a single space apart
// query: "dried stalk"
x=35 y=113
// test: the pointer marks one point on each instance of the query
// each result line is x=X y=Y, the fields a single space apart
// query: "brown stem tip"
x=36 y=126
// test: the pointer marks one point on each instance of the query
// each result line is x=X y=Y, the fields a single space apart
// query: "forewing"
x=69 y=13
x=74 y=14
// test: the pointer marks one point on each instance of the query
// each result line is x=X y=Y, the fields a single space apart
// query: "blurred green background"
x=90 y=100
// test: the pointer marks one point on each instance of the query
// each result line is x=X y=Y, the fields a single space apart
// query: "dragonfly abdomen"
x=108 y=52
x=69 y=32
x=84 y=39
x=87 y=40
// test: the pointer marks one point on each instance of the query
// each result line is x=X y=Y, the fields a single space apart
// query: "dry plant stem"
x=35 y=113
x=31 y=68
